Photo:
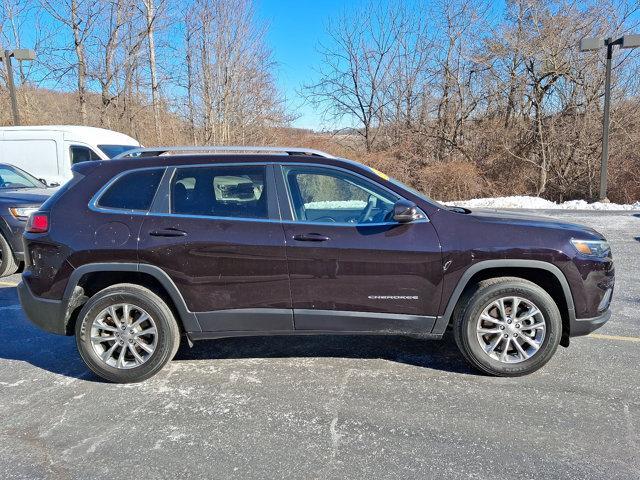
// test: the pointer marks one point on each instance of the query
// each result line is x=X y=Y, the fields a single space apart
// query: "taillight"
x=38 y=223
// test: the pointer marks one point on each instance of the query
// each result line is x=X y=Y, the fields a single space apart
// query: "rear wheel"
x=126 y=333
x=507 y=326
x=8 y=264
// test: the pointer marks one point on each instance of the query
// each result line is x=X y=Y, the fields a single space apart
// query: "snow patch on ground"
x=527 y=202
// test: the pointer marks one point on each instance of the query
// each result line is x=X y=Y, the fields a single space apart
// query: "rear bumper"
x=45 y=314
x=584 y=326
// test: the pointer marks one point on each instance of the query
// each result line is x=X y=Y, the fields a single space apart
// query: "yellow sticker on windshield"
x=380 y=174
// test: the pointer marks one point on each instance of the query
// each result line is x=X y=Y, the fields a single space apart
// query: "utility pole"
x=12 y=88
x=589 y=44
x=604 y=161
x=20 y=55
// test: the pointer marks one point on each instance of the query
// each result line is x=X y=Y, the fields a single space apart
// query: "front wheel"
x=126 y=333
x=507 y=327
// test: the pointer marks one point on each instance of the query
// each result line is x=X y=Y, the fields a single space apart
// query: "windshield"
x=12 y=178
x=114 y=150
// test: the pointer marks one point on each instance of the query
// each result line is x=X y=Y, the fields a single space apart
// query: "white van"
x=49 y=151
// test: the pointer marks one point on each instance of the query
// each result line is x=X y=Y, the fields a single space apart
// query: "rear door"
x=352 y=267
x=215 y=230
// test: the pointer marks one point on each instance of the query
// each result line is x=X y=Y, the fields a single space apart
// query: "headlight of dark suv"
x=592 y=248
x=22 y=213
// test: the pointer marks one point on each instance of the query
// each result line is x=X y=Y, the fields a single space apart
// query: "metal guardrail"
x=157 y=151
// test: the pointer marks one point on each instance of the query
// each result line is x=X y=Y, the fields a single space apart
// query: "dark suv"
x=20 y=195
x=133 y=253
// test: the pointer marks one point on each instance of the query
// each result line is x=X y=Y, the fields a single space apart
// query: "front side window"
x=333 y=196
x=220 y=191
x=82 y=154
x=13 y=178
x=132 y=191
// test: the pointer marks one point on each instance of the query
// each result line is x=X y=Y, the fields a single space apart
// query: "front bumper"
x=584 y=326
x=12 y=230
x=44 y=313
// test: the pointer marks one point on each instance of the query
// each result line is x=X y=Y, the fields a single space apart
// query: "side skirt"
x=194 y=336
x=272 y=321
x=338 y=320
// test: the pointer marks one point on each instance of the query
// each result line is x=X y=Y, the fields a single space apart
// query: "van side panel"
x=38 y=153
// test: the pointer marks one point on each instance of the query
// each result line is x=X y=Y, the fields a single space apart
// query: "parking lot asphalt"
x=330 y=407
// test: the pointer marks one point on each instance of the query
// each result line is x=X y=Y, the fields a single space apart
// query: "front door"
x=220 y=240
x=352 y=267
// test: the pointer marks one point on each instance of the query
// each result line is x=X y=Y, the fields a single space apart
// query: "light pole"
x=21 y=55
x=589 y=44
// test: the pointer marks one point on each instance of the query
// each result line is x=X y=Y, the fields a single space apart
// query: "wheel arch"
x=544 y=274
x=96 y=276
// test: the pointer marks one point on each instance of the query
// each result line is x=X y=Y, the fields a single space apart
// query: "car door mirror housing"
x=405 y=211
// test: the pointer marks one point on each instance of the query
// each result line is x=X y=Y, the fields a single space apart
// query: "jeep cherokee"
x=132 y=254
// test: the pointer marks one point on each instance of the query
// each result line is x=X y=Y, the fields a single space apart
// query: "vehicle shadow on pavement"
x=54 y=353
x=20 y=341
x=23 y=342
x=439 y=355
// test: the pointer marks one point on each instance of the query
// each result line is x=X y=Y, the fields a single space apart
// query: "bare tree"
x=150 y=17
x=190 y=81
x=453 y=96
x=355 y=78
x=80 y=17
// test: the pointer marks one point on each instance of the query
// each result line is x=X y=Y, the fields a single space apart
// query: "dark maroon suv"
x=133 y=253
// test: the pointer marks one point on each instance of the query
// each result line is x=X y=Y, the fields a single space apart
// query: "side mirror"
x=405 y=212
x=42 y=180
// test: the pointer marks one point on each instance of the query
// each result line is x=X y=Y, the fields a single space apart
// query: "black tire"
x=470 y=308
x=8 y=264
x=168 y=333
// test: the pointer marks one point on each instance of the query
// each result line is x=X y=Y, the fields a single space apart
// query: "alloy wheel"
x=511 y=329
x=124 y=336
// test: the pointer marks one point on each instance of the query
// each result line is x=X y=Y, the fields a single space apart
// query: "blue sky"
x=295 y=28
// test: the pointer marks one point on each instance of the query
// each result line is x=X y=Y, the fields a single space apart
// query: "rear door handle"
x=168 y=232
x=311 y=237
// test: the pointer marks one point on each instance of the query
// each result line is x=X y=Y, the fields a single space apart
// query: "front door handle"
x=168 y=232
x=311 y=237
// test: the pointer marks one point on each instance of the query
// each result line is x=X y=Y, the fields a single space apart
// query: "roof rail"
x=157 y=151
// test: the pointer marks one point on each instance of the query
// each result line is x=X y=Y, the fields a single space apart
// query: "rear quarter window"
x=132 y=191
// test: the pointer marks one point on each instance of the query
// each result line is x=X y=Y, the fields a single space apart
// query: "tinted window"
x=220 y=191
x=327 y=195
x=133 y=191
x=11 y=178
x=82 y=154
x=113 y=150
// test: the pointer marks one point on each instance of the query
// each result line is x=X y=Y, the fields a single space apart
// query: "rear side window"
x=81 y=154
x=220 y=191
x=132 y=191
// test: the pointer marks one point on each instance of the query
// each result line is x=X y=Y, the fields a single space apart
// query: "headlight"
x=22 y=213
x=592 y=248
